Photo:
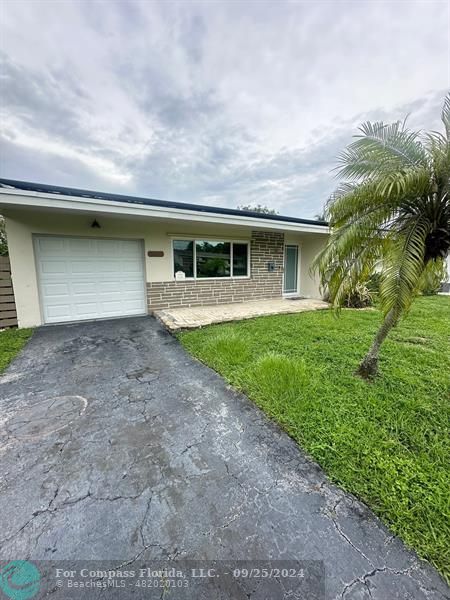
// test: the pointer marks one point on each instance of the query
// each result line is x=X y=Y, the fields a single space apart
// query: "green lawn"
x=387 y=442
x=11 y=343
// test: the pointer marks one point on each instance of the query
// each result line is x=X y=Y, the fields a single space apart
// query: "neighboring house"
x=445 y=288
x=77 y=254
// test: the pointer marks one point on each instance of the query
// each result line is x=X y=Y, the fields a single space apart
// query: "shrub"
x=432 y=283
x=359 y=297
x=373 y=283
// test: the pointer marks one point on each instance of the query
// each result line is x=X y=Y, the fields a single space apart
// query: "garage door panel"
x=86 y=309
x=56 y=289
x=130 y=285
x=59 y=300
x=129 y=249
x=48 y=246
x=111 y=266
x=111 y=306
x=130 y=267
x=84 y=298
x=89 y=266
x=110 y=287
x=82 y=246
x=88 y=278
x=58 y=312
x=84 y=287
x=127 y=308
x=134 y=305
x=107 y=248
x=129 y=295
x=104 y=296
x=52 y=266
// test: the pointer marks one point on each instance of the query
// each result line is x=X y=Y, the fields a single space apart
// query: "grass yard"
x=387 y=442
x=11 y=343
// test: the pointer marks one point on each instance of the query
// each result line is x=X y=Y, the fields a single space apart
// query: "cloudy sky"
x=221 y=103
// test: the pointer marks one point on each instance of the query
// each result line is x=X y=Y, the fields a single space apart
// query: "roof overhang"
x=21 y=199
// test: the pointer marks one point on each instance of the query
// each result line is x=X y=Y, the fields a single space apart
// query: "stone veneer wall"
x=265 y=246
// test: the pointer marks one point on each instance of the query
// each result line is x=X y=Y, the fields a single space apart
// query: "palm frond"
x=410 y=183
x=354 y=201
x=404 y=266
x=381 y=149
x=446 y=115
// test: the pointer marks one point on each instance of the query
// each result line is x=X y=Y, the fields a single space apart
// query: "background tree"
x=3 y=244
x=392 y=210
x=321 y=216
x=259 y=208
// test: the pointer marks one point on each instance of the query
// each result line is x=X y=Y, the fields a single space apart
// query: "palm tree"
x=392 y=213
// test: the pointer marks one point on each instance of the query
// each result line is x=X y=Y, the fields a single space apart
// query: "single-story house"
x=78 y=254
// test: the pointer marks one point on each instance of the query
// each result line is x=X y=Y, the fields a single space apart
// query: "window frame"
x=212 y=239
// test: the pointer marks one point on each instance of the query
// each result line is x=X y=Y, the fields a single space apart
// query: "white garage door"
x=89 y=278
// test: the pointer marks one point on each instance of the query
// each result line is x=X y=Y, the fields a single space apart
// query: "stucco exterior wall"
x=22 y=224
x=309 y=248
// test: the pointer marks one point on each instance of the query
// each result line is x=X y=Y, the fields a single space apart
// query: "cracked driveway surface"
x=117 y=445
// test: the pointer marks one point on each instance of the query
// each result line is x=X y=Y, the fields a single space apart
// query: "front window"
x=210 y=258
x=183 y=257
x=240 y=260
x=213 y=258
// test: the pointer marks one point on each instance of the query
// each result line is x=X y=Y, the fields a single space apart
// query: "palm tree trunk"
x=369 y=366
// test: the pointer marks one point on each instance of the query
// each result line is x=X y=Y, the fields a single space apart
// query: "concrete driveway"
x=118 y=446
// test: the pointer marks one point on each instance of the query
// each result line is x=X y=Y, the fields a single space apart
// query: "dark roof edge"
x=66 y=191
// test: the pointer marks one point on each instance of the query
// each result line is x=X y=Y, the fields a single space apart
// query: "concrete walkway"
x=199 y=316
x=118 y=446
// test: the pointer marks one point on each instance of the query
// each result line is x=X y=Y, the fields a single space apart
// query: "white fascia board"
x=27 y=199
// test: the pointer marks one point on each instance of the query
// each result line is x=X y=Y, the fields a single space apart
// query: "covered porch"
x=199 y=316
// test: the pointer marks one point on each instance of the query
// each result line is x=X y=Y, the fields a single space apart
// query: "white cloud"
x=224 y=102
x=13 y=131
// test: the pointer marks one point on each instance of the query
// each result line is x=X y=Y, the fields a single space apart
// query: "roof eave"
x=32 y=199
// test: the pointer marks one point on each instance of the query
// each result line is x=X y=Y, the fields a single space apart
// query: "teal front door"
x=290 y=270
